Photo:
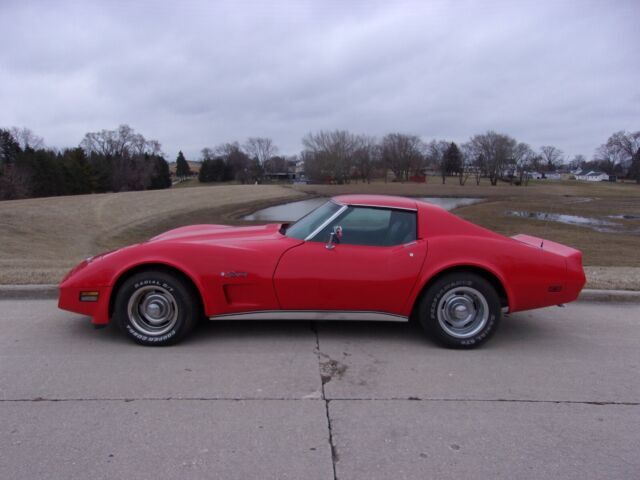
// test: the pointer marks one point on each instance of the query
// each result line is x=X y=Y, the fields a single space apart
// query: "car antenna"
x=546 y=229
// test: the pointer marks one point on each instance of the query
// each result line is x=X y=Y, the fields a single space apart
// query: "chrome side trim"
x=312 y=315
x=326 y=222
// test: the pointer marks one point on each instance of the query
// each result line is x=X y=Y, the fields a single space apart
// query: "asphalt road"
x=555 y=394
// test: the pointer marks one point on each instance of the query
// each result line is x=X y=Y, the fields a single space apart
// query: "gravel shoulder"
x=613 y=278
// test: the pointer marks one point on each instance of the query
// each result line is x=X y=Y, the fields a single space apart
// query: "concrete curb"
x=627 y=296
x=28 y=292
x=39 y=292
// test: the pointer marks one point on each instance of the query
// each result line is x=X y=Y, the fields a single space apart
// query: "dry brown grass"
x=40 y=239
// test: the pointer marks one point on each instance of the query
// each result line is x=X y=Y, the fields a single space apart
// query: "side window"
x=372 y=226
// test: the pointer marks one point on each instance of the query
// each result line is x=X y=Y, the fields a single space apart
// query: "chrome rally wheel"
x=156 y=307
x=463 y=312
x=460 y=309
x=153 y=310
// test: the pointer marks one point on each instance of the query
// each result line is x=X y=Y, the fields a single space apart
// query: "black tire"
x=155 y=308
x=460 y=294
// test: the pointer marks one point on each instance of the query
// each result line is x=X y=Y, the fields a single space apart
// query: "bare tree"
x=403 y=154
x=26 y=138
x=609 y=158
x=260 y=149
x=366 y=157
x=331 y=155
x=627 y=144
x=125 y=160
x=551 y=156
x=237 y=161
x=578 y=161
x=492 y=151
x=207 y=154
x=470 y=165
x=620 y=153
x=435 y=155
x=123 y=141
x=523 y=156
x=465 y=170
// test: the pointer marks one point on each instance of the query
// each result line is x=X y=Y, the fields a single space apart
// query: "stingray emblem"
x=234 y=274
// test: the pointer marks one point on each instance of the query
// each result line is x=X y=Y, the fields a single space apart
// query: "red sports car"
x=357 y=257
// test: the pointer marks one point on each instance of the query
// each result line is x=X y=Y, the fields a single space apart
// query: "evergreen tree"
x=182 y=167
x=206 y=171
x=102 y=170
x=46 y=172
x=634 y=168
x=9 y=148
x=161 y=177
x=451 y=161
x=14 y=179
x=79 y=177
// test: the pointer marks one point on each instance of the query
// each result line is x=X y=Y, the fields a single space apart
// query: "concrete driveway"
x=555 y=394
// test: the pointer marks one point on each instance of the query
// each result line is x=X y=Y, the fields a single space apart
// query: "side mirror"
x=334 y=237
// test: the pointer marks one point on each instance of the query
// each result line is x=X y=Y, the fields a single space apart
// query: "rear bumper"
x=556 y=275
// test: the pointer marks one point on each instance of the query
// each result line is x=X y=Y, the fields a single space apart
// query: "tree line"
x=105 y=161
x=122 y=159
x=340 y=156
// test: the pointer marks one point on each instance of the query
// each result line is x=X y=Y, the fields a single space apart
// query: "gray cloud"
x=197 y=73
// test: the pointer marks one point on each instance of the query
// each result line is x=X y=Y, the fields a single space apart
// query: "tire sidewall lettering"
x=144 y=283
x=145 y=338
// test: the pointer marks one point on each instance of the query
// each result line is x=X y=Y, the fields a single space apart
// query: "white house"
x=591 y=176
x=544 y=176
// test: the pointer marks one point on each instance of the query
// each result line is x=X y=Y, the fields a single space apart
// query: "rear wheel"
x=460 y=310
x=155 y=308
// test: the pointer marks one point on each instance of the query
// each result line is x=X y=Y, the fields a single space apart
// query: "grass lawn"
x=596 y=200
x=42 y=238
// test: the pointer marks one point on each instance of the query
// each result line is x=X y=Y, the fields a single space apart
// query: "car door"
x=372 y=268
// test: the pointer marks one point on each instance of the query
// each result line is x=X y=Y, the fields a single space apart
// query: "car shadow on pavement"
x=514 y=329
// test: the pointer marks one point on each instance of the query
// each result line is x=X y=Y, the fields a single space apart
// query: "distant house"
x=544 y=176
x=591 y=176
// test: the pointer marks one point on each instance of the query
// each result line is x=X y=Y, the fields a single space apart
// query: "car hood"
x=219 y=233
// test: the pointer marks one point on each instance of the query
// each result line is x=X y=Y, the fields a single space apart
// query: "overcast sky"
x=193 y=74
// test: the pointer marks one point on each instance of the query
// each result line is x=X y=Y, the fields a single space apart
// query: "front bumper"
x=70 y=299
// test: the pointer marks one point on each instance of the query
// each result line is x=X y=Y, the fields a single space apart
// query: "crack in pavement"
x=327 y=369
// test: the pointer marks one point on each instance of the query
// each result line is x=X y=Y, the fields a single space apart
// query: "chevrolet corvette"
x=356 y=257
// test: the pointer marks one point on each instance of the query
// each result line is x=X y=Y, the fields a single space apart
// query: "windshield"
x=312 y=220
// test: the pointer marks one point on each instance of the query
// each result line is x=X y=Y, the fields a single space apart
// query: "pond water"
x=590 y=222
x=292 y=211
x=625 y=217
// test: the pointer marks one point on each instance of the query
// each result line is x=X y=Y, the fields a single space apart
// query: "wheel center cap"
x=154 y=310
x=460 y=312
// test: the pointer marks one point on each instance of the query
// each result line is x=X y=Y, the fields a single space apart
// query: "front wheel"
x=460 y=310
x=155 y=308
